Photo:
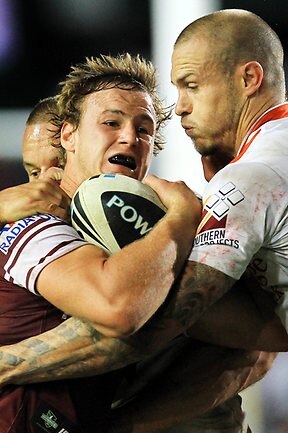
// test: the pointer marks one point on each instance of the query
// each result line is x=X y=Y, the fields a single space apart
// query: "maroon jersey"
x=68 y=406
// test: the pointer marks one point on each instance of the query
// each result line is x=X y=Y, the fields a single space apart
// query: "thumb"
x=151 y=180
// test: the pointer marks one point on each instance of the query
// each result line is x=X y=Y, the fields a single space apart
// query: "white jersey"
x=245 y=210
x=28 y=245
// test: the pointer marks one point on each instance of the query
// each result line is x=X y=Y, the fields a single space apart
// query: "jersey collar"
x=274 y=113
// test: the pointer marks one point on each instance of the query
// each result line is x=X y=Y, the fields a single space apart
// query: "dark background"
x=50 y=35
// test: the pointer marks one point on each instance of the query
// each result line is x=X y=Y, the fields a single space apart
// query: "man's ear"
x=68 y=136
x=252 y=73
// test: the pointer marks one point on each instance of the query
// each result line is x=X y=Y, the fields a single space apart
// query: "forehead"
x=129 y=102
x=38 y=134
x=191 y=57
x=37 y=143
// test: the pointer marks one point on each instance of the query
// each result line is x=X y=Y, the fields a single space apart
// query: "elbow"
x=132 y=316
x=120 y=323
x=127 y=322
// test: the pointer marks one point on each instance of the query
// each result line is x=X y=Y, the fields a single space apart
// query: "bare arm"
x=224 y=372
x=243 y=318
x=167 y=324
x=76 y=349
x=72 y=349
x=119 y=293
x=55 y=347
x=198 y=287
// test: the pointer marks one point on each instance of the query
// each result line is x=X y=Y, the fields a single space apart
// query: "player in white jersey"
x=231 y=99
x=228 y=70
x=245 y=209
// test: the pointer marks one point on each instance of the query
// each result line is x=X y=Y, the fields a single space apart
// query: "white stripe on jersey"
x=45 y=240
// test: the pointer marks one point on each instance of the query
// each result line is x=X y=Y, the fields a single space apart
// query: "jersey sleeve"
x=28 y=245
x=238 y=218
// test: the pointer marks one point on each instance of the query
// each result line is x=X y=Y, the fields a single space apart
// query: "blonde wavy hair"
x=107 y=72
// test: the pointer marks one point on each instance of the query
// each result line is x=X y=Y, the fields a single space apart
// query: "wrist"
x=183 y=225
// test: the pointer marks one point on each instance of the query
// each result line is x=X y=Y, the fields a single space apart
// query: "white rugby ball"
x=112 y=210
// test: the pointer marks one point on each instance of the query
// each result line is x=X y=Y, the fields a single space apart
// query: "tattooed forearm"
x=76 y=349
x=199 y=287
x=73 y=349
x=195 y=290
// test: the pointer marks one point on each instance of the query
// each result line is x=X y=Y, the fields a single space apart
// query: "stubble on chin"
x=205 y=149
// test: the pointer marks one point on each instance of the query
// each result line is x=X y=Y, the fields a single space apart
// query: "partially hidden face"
x=115 y=134
x=38 y=152
x=209 y=101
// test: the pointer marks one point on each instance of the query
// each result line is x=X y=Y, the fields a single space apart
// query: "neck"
x=70 y=180
x=252 y=110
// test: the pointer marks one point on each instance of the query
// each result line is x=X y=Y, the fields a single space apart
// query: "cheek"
x=214 y=112
x=97 y=156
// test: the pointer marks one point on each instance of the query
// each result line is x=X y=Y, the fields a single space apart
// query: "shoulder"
x=247 y=191
x=35 y=235
x=248 y=175
x=33 y=228
x=27 y=245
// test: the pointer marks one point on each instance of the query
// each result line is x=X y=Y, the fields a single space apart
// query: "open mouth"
x=126 y=161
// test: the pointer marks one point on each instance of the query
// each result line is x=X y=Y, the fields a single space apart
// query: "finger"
x=49 y=191
x=53 y=173
x=63 y=213
x=155 y=182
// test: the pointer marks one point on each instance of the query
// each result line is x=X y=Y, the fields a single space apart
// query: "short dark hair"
x=43 y=111
x=239 y=36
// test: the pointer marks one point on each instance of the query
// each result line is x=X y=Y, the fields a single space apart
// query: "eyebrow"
x=141 y=116
x=28 y=165
x=184 y=77
x=113 y=112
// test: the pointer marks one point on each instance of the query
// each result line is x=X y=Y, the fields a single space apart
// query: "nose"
x=183 y=104
x=129 y=135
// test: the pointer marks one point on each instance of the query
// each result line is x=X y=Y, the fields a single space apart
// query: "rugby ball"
x=112 y=210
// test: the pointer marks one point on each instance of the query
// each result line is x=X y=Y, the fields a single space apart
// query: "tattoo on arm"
x=73 y=349
x=198 y=288
x=76 y=349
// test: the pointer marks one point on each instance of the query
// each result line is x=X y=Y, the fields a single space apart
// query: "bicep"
x=73 y=283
